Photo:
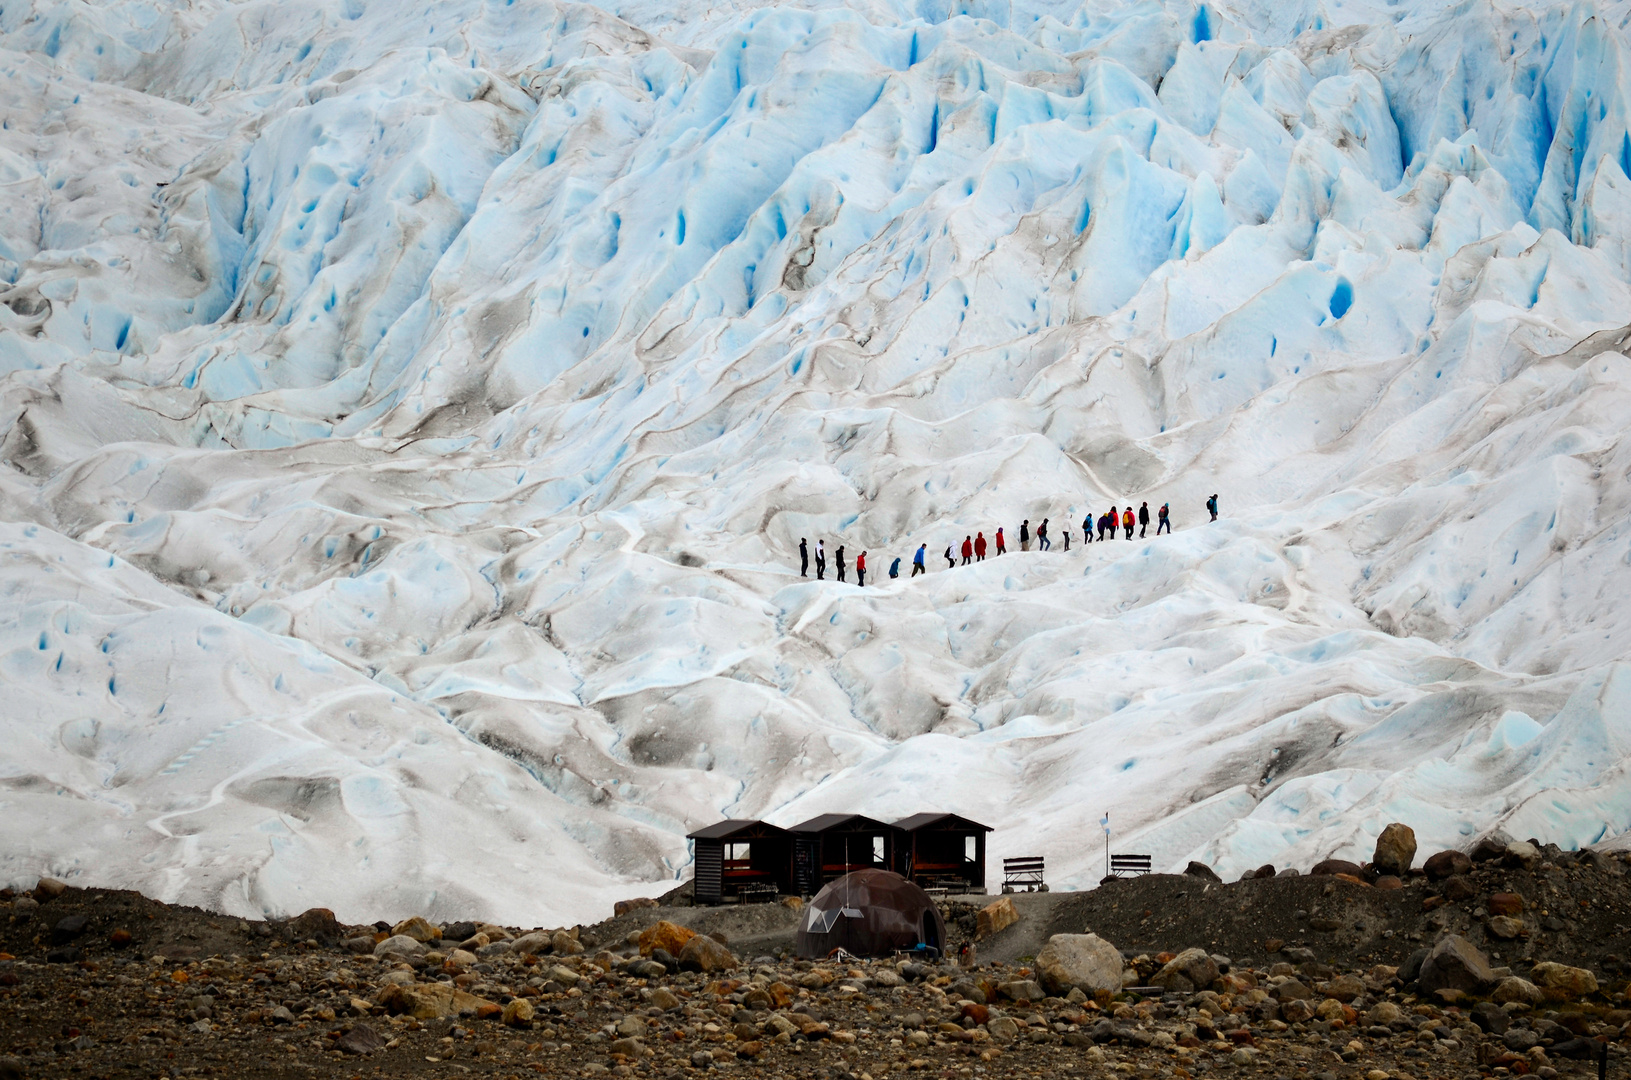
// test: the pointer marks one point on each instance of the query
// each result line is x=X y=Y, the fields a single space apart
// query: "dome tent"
x=869 y=913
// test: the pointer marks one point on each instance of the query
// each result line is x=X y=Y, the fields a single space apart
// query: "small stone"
x=1296 y=1012
x=996 y=917
x=1291 y=990
x=1395 y=850
x=282 y=1015
x=518 y=1013
x=664 y=999
x=360 y=1007
x=23 y=905
x=1491 y=1018
x=793 y=903
x=1244 y=1055
x=1388 y=882
x=627 y=1047
x=1383 y=1013
x=119 y=938
x=418 y=928
x=1503 y=927
x=1505 y=903
x=702 y=1059
x=1521 y=853
x=1021 y=990
x=1446 y=864
x=49 y=889
x=1343 y=988
x=361 y=1039
x=564 y=944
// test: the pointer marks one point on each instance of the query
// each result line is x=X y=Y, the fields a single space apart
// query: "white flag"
x=1105 y=821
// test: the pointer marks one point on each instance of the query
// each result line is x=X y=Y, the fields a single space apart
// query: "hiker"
x=917 y=561
x=1067 y=539
x=1087 y=528
x=1163 y=522
x=1025 y=535
x=821 y=560
x=1143 y=518
x=1002 y=545
x=804 y=557
x=1042 y=536
x=951 y=563
x=1212 y=506
x=1127 y=521
x=840 y=562
x=894 y=569
x=979 y=547
x=860 y=569
x=968 y=550
x=1108 y=521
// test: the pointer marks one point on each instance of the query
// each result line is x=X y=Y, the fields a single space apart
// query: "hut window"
x=877 y=850
x=738 y=852
x=968 y=849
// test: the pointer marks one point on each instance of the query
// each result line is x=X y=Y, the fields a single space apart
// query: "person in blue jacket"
x=894 y=568
x=917 y=561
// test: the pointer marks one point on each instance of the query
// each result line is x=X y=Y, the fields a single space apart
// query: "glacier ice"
x=410 y=414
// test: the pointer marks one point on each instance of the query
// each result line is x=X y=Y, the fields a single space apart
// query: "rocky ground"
x=1311 y=976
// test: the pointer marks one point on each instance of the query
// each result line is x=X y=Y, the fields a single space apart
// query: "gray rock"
x=1201 y=870
x=282 y=1015
x=399 y=945
x=1002 y=1029
x=361 y=1039
x=1491 y=1018
x=1189 y=971
x=1454 y=963
x=1395 y=850
x=1085 y=961
x=1021 y=990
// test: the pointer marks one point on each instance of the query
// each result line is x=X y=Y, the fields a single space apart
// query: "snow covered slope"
x=410 y=414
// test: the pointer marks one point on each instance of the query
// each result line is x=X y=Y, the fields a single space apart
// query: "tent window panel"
x=968 y=849
x=877 y=850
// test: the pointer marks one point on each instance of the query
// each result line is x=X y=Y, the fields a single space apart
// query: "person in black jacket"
x=1212 y=506
x=840 y=562
x=1025 y=535
x=1143 y=518
x=804 y=557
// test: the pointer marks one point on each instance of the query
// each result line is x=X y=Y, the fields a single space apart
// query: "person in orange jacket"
x=1127 y=521
x=979 y=547
x=1002 y=545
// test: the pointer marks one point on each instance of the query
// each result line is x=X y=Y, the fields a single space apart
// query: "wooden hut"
x=831 y=845
x=943 y=850
x=741 y=860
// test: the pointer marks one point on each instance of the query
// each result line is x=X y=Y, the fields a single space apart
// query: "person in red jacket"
x=968 y=550
x=860 y=569
x=1127 y=521
x=979 y=547
x=1002 y=545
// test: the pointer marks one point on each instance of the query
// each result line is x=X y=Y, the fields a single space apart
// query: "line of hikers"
x=974 y=548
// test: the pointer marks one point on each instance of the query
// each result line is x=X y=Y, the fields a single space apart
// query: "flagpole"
x=1106 y=824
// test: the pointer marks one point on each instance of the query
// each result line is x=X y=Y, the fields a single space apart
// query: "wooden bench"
x=1129 y=865
x=1024 y=873
x=756 y=892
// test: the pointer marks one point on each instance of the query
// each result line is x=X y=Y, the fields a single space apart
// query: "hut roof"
x=824 y=822
x=923 y=821
x=733 y=826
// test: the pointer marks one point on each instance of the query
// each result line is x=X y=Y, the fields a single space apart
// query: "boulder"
x=1202 y=871
x=1189 y=971
x=536 y=942
x=1454 y=963
x=666 y=936
x=1503 y=927
x=623 y=907
x=1383 y=1013
x=1291 y=990
x=429 y=1001
x=314 y=924
x=1021 y=990
x=1514 y=989
x=1395 y=850
x=1489 y=849
x=563 y=943
x=417 y=928
x=996 y=917
x=1443 y=864
x=1084 y=961
x=1560 y=982
x=49 y=888
x=1505 y=903
x=1457 y=889
x=1336 y=866
x=1343 y=988
x=399 y=945
x=1490 y=1018
x=1263 y=872
x=1296 y=1011
x=704 y=954
x=1521 y=853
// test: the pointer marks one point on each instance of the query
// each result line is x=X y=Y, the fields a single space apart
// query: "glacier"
x=410 y=414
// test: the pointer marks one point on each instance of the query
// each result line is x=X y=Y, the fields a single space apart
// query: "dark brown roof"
x=824 y=822
x=730 y=827
x=919 y=821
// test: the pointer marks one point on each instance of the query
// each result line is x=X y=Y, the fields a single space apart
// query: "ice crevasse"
x=410 y=414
